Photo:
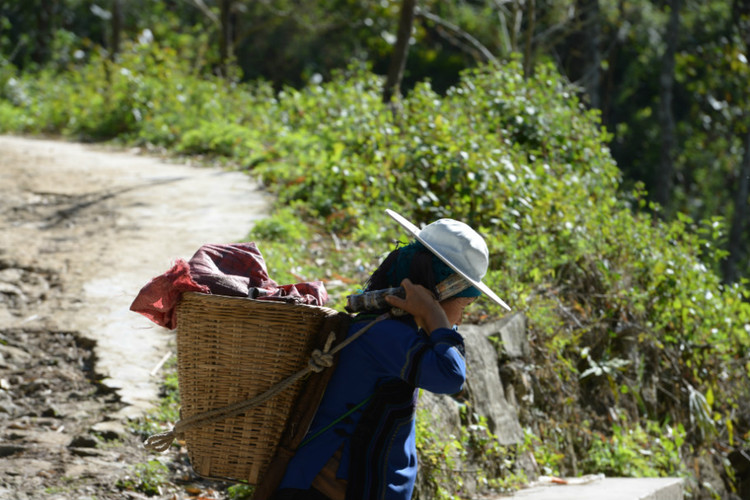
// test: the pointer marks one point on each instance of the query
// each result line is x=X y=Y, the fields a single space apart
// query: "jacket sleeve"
x=435 y=363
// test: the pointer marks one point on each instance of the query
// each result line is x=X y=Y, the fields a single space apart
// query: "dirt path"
x=82 y=229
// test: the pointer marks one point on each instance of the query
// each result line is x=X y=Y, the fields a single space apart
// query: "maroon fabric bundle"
x=236 y=269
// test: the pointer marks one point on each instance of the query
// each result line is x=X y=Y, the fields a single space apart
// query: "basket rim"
x=208 y=297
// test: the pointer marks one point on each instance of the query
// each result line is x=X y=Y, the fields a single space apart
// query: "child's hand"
x=421 y=304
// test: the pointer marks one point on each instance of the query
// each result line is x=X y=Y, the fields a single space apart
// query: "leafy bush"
x=240 y=492
x=636 y=452
x=147 y=478
x=282 y=227
x=152 y=95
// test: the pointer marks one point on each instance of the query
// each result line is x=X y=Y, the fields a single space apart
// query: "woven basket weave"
x=230 y=349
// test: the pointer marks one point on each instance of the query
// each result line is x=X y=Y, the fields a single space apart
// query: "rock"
x=13 y=355
x=11 y=275
x=109 y=430
x=485 y=387
x=707 y=484
x=517 y=384
x=24 y=467
x=83 y=441
x=50 y=412
x=22 y=424
x=87 y=452
x=49 y=439
x=740 y=460
x=7 y=406
x=512 y=333
x=80 y=470
x=8 y=493
x=7 y=450
x=10 y=289
x=444 y=410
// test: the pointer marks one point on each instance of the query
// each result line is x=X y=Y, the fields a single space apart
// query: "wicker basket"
x=230 y=349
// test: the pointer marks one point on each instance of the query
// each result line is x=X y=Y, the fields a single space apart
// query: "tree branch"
x=488 y=56
x=201 y=5
x=400 y=50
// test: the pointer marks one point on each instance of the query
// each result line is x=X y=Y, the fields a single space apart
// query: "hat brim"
x=414 y=230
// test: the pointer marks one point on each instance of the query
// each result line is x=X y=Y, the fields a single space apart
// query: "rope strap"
x=342 y=417
x=319 y=361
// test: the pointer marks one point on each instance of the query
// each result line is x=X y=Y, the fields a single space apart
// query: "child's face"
x=454 y=308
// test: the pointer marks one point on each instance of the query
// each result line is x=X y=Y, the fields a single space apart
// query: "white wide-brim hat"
x=459 y=246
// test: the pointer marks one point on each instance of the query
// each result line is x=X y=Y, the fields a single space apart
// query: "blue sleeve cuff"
x=448 y=336
x=441 y=367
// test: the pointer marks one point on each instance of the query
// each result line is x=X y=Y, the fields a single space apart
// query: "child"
x=361 y=443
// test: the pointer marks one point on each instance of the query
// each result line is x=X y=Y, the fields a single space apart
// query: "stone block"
x=485 y=387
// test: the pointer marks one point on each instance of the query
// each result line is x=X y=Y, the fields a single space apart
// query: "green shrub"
x=219 y=139
x=147 y=478
x=636 y=452
x=240 y=492
x=11 y=118
x=284 y=227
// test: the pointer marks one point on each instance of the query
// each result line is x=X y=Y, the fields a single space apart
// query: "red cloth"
x=236 y=269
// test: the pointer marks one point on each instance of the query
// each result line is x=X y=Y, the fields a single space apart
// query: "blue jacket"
x=377 y=380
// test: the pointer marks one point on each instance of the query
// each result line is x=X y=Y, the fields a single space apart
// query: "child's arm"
x=421 y=304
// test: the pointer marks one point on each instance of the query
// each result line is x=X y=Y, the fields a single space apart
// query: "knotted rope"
x=319 y=361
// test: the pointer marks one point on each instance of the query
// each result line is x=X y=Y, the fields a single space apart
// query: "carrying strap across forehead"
x=375 y=300
x=451 y=286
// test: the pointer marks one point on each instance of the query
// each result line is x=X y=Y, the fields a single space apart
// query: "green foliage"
x=289 y=42
x=617 y=300
x=312 y=38
x=626 y=313
x=637 y=452
x=146 y=478
x=283 y=227
x=345 y=157
x=546 y=451
x=167 y=412
x=151 y=96
x=439 y=458
x=495 y=464
x=240 y=492
x=473 y=455
x=228 y=140
x=709 y=108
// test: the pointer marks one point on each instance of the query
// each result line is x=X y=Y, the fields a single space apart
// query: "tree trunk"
x=663 y=187
x=225 y=35
x=528 y=51
x=591 y=78
x=44 y=29
x=735 y=245
x=609 y=84
x=114 y=43
x=516 y=13
x=400 y=51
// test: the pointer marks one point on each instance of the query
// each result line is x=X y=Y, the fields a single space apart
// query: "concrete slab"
x=611 y=488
